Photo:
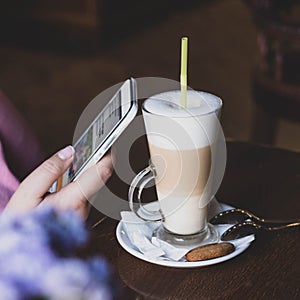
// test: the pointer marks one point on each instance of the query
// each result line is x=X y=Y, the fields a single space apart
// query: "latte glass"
x=182 y=144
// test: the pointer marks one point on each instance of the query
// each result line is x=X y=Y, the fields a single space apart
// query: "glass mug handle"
x=135 y=192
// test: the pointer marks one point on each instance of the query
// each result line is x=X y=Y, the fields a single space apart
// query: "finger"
x=36 y=185
x=75 y=195
x=95 y=177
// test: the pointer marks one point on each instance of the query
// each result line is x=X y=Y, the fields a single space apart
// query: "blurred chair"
x=276 y=78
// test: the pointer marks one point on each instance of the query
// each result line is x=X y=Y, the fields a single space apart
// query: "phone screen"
x=96 y=134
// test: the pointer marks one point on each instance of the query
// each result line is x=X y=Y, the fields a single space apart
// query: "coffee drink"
x=181 y=143
x=180 y=185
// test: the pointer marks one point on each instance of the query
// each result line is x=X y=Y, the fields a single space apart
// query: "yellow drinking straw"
x=183 y=71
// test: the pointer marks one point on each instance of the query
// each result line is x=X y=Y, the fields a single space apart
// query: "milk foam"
x=171 y=126
x=199 y=103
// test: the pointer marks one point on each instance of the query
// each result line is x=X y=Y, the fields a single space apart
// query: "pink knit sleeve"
x=20 y=152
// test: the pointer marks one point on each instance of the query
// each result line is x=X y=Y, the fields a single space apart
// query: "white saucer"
x=126 y=244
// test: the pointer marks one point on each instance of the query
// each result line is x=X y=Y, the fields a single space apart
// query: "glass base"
x=206 y=236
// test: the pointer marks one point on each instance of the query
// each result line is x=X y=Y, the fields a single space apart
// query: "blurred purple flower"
x=65 y=231
x=8 y=291
x=67 y=279
x=36 y=259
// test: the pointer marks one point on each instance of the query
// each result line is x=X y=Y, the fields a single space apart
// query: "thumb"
x=33 y=189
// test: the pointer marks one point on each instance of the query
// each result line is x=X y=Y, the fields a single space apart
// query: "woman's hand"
x=33 y=191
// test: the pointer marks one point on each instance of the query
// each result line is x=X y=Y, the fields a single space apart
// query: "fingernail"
x=66 y=153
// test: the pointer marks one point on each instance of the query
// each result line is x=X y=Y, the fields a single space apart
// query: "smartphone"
x=103 y=131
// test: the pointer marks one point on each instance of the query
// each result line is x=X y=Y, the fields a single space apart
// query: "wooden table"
x=264 y=180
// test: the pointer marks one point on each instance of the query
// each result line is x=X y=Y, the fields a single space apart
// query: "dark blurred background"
x=56 y=56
